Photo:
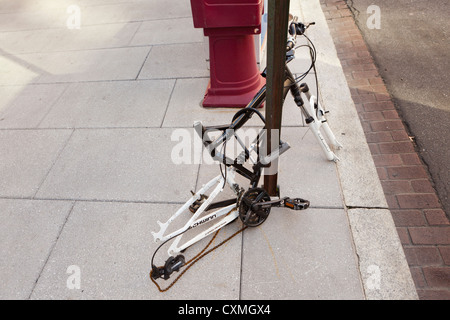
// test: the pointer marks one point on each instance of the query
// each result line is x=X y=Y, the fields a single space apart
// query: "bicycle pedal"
x=296 y=204
x=157 y=272
x=172 y=264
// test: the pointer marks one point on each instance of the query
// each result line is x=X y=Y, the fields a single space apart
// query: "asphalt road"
x=411 y=49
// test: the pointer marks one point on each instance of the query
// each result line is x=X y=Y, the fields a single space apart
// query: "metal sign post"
x=278 y=16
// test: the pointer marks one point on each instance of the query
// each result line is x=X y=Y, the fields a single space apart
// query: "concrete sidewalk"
x=86 y=123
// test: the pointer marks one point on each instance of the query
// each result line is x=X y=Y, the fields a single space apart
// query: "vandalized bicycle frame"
x=253 y=205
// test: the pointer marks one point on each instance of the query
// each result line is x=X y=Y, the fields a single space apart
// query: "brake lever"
x=299 y=28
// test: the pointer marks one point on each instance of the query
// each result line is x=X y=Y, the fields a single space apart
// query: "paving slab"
x=26 y=158
x=111 y=245
x=142 y=10
x=121 y=165
x=167 y=31
x=65 y=39
x=33 y=6
x=74 y=66
x=109 y=104
x=16 y=71
x=46 y=14
x=187 y=60
x=114 y=35
x=39 y=19
x=304 y=171
x=301 y=255
x=26 y=106
x=185 y=106
x=29 y=230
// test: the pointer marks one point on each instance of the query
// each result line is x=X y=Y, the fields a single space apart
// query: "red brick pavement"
x=422 y=225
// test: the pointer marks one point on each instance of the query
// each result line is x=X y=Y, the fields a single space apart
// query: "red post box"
x=230 y=26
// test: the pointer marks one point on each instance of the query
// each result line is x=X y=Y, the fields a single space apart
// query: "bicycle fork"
x=315 y=119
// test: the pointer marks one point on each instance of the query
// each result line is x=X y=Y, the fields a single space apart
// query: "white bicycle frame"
x=226 y=213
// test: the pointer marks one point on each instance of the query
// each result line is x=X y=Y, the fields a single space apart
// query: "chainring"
x=247 y=213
